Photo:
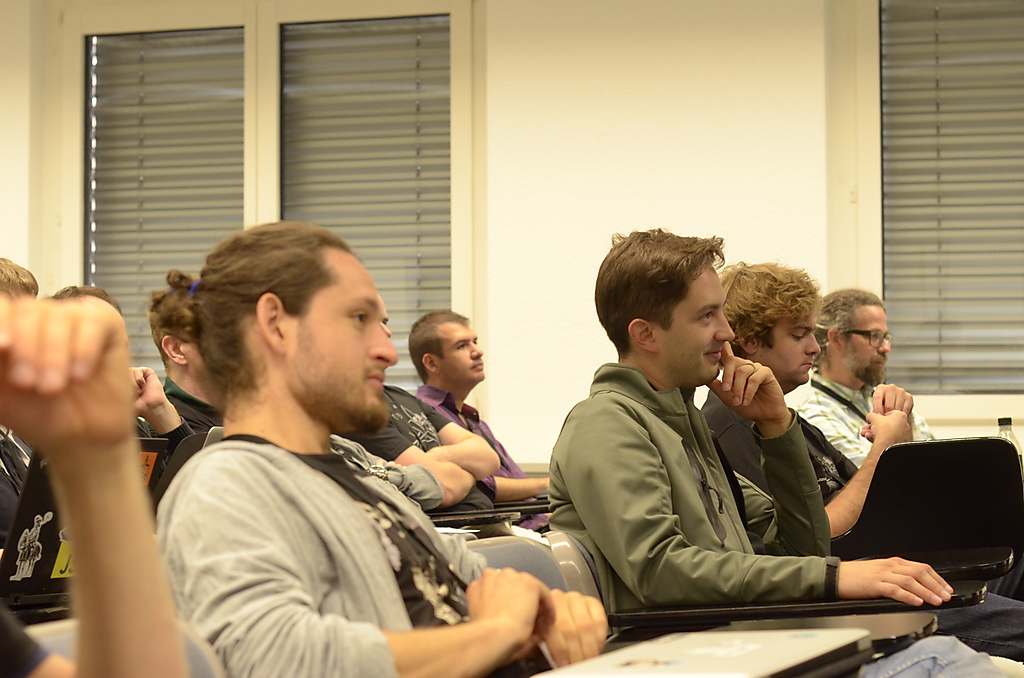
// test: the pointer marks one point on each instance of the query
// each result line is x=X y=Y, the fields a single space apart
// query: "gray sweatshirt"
x=276 y=566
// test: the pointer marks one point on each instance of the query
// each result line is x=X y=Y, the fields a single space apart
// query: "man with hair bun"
x=285 y=559
x=185 y=382
x=849 y=381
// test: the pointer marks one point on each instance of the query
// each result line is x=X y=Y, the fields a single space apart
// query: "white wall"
x=15 y=121
x=702 y=118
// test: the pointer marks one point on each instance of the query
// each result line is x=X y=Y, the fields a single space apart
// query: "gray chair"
x=577 y=566
x=523 y=554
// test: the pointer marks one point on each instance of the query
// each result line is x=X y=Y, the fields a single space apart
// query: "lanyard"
x=838 y=398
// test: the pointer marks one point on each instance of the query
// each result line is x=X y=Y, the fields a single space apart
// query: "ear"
x=751 y=348
x=273 y=325
x=835 y=338
x=642 y=334
x=432 y=363
x=172 y=348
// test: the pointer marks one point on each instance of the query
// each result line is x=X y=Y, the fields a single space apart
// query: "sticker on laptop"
x=30 y=549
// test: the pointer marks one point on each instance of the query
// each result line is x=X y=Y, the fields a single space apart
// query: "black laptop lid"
x=36 y=564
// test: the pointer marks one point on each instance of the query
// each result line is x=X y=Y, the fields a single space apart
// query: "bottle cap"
x=1005 y=421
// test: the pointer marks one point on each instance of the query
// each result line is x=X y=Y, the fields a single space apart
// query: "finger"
x=878 y=401
x=24 y=344
x=95 y=333
x=742 y=372
x=547 y=613
x=591 y=623
x=929 y=578
x=6 y=312
x=560 y=639
x=754 y=381
x=906 y=404
x=138 y=378
x=728 y=365
x=913 y=581
x=55 y=350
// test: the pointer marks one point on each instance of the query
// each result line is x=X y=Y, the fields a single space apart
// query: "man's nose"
x=724 y=333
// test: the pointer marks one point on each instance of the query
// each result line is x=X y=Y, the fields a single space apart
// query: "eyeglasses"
x=875 y=337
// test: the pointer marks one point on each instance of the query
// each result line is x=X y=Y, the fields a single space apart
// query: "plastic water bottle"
x=1006 y=431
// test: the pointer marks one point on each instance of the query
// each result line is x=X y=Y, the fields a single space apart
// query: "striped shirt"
x=842 y=424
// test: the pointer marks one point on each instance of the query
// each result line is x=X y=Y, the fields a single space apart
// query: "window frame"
x=74 y=20
x=854 y=193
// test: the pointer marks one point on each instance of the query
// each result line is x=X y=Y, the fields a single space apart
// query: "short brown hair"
x=283 y=258
x=78 y=291
x=423 y=337
x=839 y=310
x=16 y=280
x=757 y=296
x=645 y=275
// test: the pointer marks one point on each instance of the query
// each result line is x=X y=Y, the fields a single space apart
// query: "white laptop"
x=734 y=654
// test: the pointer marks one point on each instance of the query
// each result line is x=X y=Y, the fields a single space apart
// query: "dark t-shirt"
x=433 y=595
x=736 y=436
x=19 y=652
x=12 y=474
x=414 y=422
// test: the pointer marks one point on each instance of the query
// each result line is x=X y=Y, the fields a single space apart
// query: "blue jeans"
x=934 y=657
x=996 y=626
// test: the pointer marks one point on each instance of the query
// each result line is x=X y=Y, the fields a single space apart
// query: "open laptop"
x=800 y=653
x=37 y=562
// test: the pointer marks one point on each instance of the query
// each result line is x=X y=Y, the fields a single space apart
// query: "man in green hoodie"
x=635 y=475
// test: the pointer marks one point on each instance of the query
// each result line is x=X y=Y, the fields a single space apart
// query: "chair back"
x=523 y=554
x=182 y=453
x=940 y=495
x=576 y=564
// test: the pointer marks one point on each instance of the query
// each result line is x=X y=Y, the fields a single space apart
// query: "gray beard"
x=870 y=374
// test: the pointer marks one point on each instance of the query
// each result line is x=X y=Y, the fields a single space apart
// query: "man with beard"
x=283 y=557
x=850 y=371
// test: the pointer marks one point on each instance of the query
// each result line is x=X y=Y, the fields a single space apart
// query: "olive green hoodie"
x=635 y=477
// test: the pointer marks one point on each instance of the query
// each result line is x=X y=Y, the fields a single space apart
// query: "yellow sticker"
x=64 y=566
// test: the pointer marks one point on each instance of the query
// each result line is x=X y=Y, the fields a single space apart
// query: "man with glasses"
x=850 y=371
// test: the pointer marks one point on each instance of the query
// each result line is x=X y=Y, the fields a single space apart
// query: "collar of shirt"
x=440 y=398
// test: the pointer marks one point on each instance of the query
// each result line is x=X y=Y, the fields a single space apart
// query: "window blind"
x=163 y=162
x=365 y=124
x=953 y=193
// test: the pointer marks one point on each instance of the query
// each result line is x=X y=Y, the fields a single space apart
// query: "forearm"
x=516 y=489
x=472 y=454
x=163 y=418
x=127 y=621
x=468 y=650
x=844 y=510
x=455 y=481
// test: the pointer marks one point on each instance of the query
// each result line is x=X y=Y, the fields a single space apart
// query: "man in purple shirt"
x=449 y=360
